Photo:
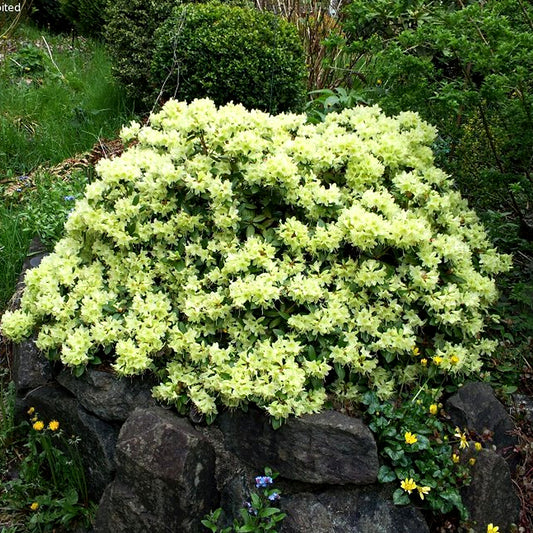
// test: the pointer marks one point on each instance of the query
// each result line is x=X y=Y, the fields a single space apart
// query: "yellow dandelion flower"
x=408 y=485
x=410 y=438
x=53 y=425
x=433 y=409
x=422 y=491
x=34 y=506
x=478 y=446
x=38 y=426
x=455 y=458
x=493 y=529
x=437 y=360
x=31 y=410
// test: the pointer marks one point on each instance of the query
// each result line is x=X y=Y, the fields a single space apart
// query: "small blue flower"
x=263 y=481
x=69 y=198
x=273 y=497
x=23 y=178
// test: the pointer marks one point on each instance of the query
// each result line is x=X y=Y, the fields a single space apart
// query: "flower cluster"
x=248 y=257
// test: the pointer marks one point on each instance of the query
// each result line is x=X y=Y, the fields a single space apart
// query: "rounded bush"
x=129 y=35
x=250 y=258
x=230 y=53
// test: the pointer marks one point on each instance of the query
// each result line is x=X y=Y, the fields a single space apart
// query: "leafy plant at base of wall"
x=230 y=53
x=421 y=452
x=258 y=514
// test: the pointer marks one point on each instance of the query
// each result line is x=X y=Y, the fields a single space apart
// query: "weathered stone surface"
x=30 y=368
x=97 y=439
x=476 y=407
x=490 y=497
x=328 y=447
x=165 y=477
x=106 y=395
x=357 y=510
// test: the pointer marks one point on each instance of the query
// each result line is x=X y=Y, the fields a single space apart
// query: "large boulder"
x=165 y=477
x=490 y=497
x=354 y=510
x=328 y=447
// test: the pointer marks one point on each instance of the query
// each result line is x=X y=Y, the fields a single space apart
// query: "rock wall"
x=153 y=470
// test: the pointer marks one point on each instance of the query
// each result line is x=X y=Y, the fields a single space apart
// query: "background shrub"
x=129 y=34
x=48 y=14
x=230 y=53
x=86 y=16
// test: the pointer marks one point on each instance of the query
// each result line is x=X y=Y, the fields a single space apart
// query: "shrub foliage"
x=255 y=258
x=231 y=53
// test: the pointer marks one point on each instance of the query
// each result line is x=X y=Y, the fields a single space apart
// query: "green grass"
x=54 y=103
x=57 y=99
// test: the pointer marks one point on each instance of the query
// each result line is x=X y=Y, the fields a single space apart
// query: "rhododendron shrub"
x=246 y=258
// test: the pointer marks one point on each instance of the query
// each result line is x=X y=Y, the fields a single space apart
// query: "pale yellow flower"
x=424 y=361
x=472 y=461
x=493 y=529
x=463 y=443
x=422 y=491
x=478 y=446
x=31 y=410
x=454 y=360
x=455 y=458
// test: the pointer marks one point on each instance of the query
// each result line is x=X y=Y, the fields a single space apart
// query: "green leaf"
x=386 y=474
x=400 y=497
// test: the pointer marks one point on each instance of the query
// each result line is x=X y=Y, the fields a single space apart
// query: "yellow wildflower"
x=53 y=425
x=408 y=485
x=34 y=506
x=493 y=529
x=424 y=362
x=472 y=461
x=422 y=491
x=454 y=360
x=433 y=409
x=38 y=426
x=455 y=458
x=416 y=351
x=437 y=360
x=31 y=410
x=478 y=446
x=410 y=438
x=462 y=437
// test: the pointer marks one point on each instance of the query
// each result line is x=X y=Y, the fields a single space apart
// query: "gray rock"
x=357 y=510
x=328 y=447
x=476 y=407
x=490 y=497
x=165 y=477
x=30 y=368
x=97 y=439
x=106 y=395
